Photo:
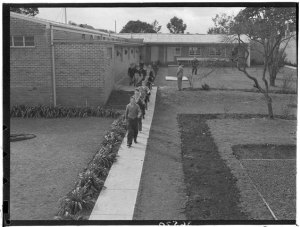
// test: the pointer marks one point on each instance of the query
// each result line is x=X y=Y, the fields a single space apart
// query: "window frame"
x=12 y=44
x=215 y=51
x=195 y=50
x=175 y=52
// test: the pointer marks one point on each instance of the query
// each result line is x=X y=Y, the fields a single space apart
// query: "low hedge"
x=43 y=111
x=80 y=201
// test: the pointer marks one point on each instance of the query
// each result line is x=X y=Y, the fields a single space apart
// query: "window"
x=29 y=41
x=91 y=37
x=99 y=37
x=177 y=51
x=194 y=51
x=22 y=41
x=109 y=52
x=83 y=36
x=213 y=51
x=104 y=38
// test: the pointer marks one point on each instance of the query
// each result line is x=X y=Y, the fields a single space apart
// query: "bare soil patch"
x=211 y=190
x=264 y=151
x=275 y=179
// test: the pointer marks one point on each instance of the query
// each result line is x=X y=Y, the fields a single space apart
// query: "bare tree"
x=206 y=68
x=266 y=26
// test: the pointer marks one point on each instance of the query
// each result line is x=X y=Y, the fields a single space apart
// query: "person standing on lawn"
x=141 y=104
x=132 y=113
x=179 y=76
x=195 y=64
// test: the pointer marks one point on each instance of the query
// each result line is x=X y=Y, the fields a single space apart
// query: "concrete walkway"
x=117 y=201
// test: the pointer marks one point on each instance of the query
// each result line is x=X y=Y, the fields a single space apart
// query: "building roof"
x=71 y=28
x=161 y=38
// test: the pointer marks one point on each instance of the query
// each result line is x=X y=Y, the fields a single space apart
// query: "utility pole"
x=66 y=16
x=116 y=26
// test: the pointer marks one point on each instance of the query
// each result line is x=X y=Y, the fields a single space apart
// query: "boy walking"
x=141 y=104
x=132 y=113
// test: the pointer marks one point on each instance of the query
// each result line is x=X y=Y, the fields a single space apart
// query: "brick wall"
x=30 y=67
x=122 y=61
x=83 y=72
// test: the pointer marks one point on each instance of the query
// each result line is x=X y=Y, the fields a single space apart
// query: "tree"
x=266 y=26
x=32 y=11
x=137 y=27
x=176 y=25
x=156 y=27
x=222 y=24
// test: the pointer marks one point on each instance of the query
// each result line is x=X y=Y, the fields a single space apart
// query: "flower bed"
x=80 y=201
x=42 y=111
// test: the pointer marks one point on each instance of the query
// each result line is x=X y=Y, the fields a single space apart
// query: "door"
x=170 y=54
x=154 y=53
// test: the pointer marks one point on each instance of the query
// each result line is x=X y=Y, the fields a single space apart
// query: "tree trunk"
x=270 y=107
x=272 y=79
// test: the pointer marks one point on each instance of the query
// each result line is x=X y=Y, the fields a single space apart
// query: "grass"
x=264 y=174
x=45 y=168
x=226 y=132
x=231 y=78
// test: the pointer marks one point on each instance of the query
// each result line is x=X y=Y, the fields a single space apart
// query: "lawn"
x=206 y=182
x=273 y=178
x=231 y=78
x=44 y=169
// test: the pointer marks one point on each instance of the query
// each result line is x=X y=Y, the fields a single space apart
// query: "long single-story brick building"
x=59 y=64
x=173 y=48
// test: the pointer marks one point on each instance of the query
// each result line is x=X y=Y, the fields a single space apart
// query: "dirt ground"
x=210 y=185
x=45 y=168
x=163 y=191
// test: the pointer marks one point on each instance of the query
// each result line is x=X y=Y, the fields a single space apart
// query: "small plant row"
x=80 y=201
x=43 y=111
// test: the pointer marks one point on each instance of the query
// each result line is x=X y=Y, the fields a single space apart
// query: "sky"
x=197 y=19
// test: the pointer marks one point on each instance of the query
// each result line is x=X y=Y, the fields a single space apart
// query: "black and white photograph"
x=150 y=113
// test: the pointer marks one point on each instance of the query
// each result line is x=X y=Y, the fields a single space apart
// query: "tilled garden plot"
x=210 y=185
x=221 y=187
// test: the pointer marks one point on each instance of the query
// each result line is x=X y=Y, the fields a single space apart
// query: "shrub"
x=205 y=87
x=91 y=181
x=42 y=111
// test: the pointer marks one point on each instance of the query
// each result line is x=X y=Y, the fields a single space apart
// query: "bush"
x=290 y=64
x=91 y=181
x=205 y=87
x=43 y=111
